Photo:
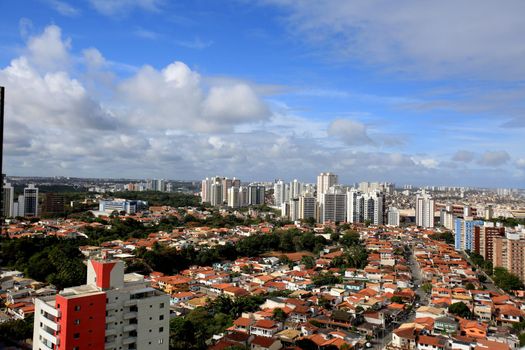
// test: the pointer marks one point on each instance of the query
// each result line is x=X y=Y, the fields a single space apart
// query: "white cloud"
x=494 y=158
x=175 y=98
x=352 y=133
x=463 y=156
x=520 y=163
x=83 y=120
x=481 y=39
x=122 y=7
x=64 y=8
x=49 y=51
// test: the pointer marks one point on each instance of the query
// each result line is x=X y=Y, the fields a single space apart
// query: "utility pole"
x=2 y=98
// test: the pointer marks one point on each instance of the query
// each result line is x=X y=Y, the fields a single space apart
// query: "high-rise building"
x=233 y=197
x=446 y=217
x=256 y=194
x=509 y=252
x=205 y=190
x=393 y=217
x=354 y=206
x=8 y=201
x=467 y=211
x=216 y=193
x=332 y=207
x=296 y=189
x=373 y=204
x=489 y=212
x=279 y=193
x=54 y=204
x=243 y=196
x=464 y=233
x=112 y=310
x=294 y=209
x=424 y=210
x=226 y=184
x=30 y=201
x=307 y=207
x=484 y=239
x=324 y=182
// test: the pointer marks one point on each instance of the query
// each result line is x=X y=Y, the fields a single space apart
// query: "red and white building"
x=112 y=310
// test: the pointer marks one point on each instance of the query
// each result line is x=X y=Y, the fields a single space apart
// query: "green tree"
x=460 y=309
x=308 y=261
x=279 y=315
x=350 y=238
x=324 y=279
x=427 y=287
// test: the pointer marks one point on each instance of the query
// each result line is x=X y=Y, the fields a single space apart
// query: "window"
x=161 y=317
x=77 y=322
x=161 y=341
x=76 y=348
x=161 y=305
x=76 y=335
x=161 y=329
x=77 y=307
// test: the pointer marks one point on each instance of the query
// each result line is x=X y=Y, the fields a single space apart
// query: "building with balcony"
x=112 y=310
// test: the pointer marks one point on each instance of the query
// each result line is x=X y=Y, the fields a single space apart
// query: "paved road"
x=417 y=279
x=489 y=283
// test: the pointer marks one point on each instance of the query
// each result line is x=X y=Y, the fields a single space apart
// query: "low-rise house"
x=425 y=342
x=265 y=328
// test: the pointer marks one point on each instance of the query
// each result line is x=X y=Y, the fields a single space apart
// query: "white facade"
x=324 y=182
x=126 y=312
x=393 y=217
x=233 y=197
x=9 y=200
x=424 y=210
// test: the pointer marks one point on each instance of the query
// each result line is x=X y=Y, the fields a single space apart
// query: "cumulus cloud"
x=494 y=158
x=352 y=133
x=520 y=163
x=463 y=156
x=174 y=122
x=176 y=98
x=49 y=51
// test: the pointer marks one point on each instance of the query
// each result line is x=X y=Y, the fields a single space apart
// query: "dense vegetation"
x=501 y=276
x=506 y=280
x=447 y=237
x=170 y=260
x=192 y=330
x=17 y=330
x=460 y=309
x=56 y=261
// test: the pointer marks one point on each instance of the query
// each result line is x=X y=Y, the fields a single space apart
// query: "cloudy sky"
x=403 y=91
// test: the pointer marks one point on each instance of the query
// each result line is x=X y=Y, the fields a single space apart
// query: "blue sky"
x=407 y=92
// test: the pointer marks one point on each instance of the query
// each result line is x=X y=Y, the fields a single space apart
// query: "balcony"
x=111 y=345
x=50 y=324
x=129 y=340
x=49 y=337
x=130 y=327
x=110 y=319
x=110 y=332
x=129 y=315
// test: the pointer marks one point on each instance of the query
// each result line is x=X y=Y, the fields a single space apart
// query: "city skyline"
x=275 y=89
